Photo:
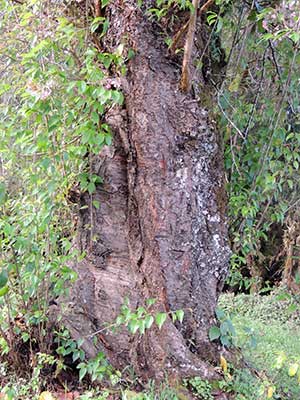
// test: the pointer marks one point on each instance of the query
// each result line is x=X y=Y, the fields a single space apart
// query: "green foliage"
x=67 y=346
x=259 y=117
x=93 y=395
x=54 y=93
x=152 y=392
x=143 y=318
x=201 y=388
x=279 y=306
x=244 y=385
x=19 y=388
x=98 y=368
x=225 y=332
x=164 y=6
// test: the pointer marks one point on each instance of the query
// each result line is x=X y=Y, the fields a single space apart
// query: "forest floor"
x=266 y=335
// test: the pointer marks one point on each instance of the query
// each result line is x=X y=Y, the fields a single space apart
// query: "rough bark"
x=160 y=229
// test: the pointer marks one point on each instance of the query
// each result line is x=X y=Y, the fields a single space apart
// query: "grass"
x=268 y=332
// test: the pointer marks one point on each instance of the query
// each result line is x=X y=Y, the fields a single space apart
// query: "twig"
x=205 y=6
x=292 y=205
x=184 y=28
x=97 y=5
x=254 y=105
x=178 y=36
x=229 y=120
x=185 y=83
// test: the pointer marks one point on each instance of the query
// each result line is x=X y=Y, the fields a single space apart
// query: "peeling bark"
x=161 y=230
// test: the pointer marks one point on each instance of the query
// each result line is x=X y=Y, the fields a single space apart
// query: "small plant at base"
x=244 y=386
x=99 y=368
x=201 y=388
x=136 y=321
x=29 y=389
x=225 y=332
x=68 y=346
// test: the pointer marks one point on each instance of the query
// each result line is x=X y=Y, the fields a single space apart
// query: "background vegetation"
x=55 y=89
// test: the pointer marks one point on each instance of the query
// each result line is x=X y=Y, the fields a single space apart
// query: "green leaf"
x=3 y=291
x=133 y=326
x=3 y=278
x=95 y=117
x=99 y=139
x=108 y=140
x=140 y=312
x=174 y=317
x=211 y=17
x=295 y=37
x=160 y=319
x=2 y=193
x=82 y=373
x=96 y=204
x=214 y=333
x=82 y=86
x=224 y=328
x=220 y=314
x=96 y=23
x=180 y=315
x=25 y=336
x=131 y=54
x=117 y=97
x=150 y=302
x=293 y=369
x=296 y=164
x=149 y=321
x=142 y=326
x=76 y=355
x=297 y=278
x=225 y=340
x=91 y=187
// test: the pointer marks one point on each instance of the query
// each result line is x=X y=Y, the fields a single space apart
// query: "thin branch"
x=182 y=31
x=205 y=6
x=230 y=120
x=97 y=6
x=176 y=39
x=254 y=105
x=185 y=83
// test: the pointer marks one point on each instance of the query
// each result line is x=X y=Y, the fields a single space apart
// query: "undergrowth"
x=267 y=334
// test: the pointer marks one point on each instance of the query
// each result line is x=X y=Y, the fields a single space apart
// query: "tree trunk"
x=160 y=229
